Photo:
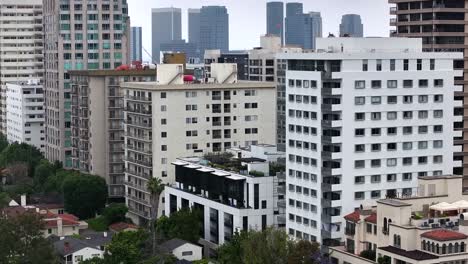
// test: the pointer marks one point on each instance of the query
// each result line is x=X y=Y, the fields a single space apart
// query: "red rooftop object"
x=371 y=218
x=353 y=217
x=444 y=235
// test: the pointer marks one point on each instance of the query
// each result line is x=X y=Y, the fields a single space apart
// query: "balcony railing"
x=140 y=124
x=146 y=163
x=142 y=150
x=139 y=174
x=138 y=111
x=143 y=201
x=138 y=98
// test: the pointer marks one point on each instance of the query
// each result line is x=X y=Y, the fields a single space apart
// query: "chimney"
x=23 y=200
x=59 y=226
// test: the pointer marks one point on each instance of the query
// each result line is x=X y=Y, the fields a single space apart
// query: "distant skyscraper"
x=275 y=19
x=166 y=27
x=135 y=44
x=189 y=48
x=294 y=24
x=351 y=25
x=312 y=29
x=194 y=25
x=214 y=28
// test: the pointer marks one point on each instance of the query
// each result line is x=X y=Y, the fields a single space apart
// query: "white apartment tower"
x=172 y=118
x=25 y=113
x=21 y=46
x=364 y=117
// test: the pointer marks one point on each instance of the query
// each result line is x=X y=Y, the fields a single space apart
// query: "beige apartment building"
x=430 y=227
x=97 y=123
x=79 y=35
x=442 y=26
x=173 y=118
x=21 y=47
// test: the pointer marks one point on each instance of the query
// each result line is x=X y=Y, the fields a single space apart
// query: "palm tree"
x=155 y=187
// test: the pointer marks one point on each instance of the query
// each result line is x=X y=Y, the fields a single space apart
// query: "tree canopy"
x=23 y=241
x=21 y=153
x=115 y=213
x=84 y=195
x=185 y=224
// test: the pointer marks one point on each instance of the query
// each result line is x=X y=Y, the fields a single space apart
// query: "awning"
x=179 y=163
x=443 y=207
x=462 y=204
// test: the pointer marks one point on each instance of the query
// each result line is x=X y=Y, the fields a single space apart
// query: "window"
x=423 y=83
x=359 y=100
x=375 y=163
x=392 y=65
x=358 y=164
x=359 y=116
x=391 y=162
x=392 y=115
x=375 y=131
x=419 y=64
x=422 y=129
x=392 y=100
x=359 y=148
x=359 y=196
x=438 y=98
x=438 y=83
x=391 y=177
x=438 y=129
x=437 y=144
x=407 y=161
x=392 y=84
x=407 y=99
x=407 y=145
x=359 y=132
x=365 y=65
x=375 y=195
x=405 y=65
x=407 y=83
x=378 y=66
x=407 y=115
x=376 y=84
x=407 y=130
x=376 y=99
x=375 y=147
x=187 y=253
x=376 y=115
x=391 y=131
x=163 y=121
x=163 y=95
x=360 y=84
x=163 y=147
x=391 y=146
x=438 y=113
x=437 y=159
x=375 y=178
x=432 y=64
x=423 y=114
x=359 y=180
x=422 y=160
x=407 y=176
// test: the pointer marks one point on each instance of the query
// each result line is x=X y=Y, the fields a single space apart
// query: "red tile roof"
x=353 y=217
x=371 y=218
x=444 y=235
x=120 y=226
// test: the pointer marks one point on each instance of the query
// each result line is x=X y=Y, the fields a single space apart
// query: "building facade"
x=428 y=227
x=214 y=28
x=440 y=24
x=25 y=114
x=135 y=44
x=97 y=123
x=351 y=26
x=230 y=200
x=313 y=29
x=218 y=115
x=166 y=26
x=239 y=58
x=188 y=48
x=21 y=46
x=275 y=19
x=363 y=126
x=294 y=24
x=79 y=35
x=194 y=25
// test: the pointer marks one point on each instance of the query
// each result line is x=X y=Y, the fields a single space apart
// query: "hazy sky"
x=247 y=18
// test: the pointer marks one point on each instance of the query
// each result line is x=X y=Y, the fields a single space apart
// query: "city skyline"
x=375 y=16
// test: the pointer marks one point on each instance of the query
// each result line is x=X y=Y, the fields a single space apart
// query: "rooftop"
x=353 y=217
x=172 y=244
x=198 y=86
x=444 y=235
x=371 y=218
x=413 y=254
x=393 y=202
x=113 y=73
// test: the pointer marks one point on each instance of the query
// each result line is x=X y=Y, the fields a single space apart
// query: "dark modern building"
x=214 y=28
x=194 y=25
x=135 y=44
x=312 y=29
x=190 y=49
x=294 y=24
x=351 y=25
x=166 y=27
x=441 y=25
x=275 y=19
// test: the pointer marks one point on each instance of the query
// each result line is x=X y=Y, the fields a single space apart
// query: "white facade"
x=20 y=45
x=83 y=254
x=254 y=210
x=169 y=119
x=189 y=252
x=362 y=124
x=25 y=113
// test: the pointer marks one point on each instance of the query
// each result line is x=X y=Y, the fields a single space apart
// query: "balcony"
x=350 y=231
x=138 y=124
x=140 y=200
x=137 y=149
x=393 y=10
x=138 y=111
x=138 y=98
x=145 y=163
x=139 y=174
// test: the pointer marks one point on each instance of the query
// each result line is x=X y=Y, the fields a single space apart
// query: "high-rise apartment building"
x=363 y=126
x=351 y=26
x=194 y=25
x=441 y=25
x=216 y=115
x=275 y=19
x=241 y=58
x=21 y=47
x=97 y=123
x=25 y=113
x=79 y=35
x=294 y=24
x=214 y=28
x=166 y=26
x=136 y=44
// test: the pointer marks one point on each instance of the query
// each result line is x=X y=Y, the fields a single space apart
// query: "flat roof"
x=154 y=86
x=369 y=55
x=440 y=177
x=393 y=202
x=151 y=72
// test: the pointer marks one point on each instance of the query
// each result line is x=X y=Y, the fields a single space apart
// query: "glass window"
x=360 y=84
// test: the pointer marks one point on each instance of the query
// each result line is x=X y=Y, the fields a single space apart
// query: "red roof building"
x=444 y=235
x=353 y=217
x=371 y=218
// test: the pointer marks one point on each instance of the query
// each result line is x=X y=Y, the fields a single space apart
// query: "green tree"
x=54 y=183
x=84 y=195
x=126 y=247
x=42 y=172
x=302 y=251
x=368 y=254
x=23 y=241
x=115 y=213
x=4 y=199
x=3 y=142
x=185 y=224
x=155 y=187
x=18 y=153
